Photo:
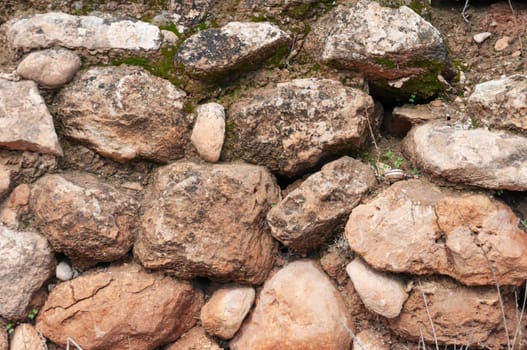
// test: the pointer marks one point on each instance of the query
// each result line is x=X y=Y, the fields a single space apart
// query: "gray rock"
x=25 y=122
x=188 y=14
x=209 y=131
x=63 y=271
x=27 y=262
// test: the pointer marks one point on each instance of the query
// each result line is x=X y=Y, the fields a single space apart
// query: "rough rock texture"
x=209 y=131
x=476 y=157
x=320 y=206
x=27 y=262
x=50 y=68
x=215 y=52
x=187 y=14
x=119 y=308
x=124 y=112
x=25 y=337
x=369 y=339
x=296 y=8
x=83 y=217
x=290 y=127
x=25 y=122
x=26 y=166
x=501 y=103
x=403 y=118
x=5 y=181
x=4 y=340
x=380 y=292
x=87 y=32
x=15 y=206
x=386 y=44
x=195 y=339
x=209 y=220
x=298 y=308
x=225 y=311
x=417 y=228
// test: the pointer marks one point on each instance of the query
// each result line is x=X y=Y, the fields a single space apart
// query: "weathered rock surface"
x=50 y=68
x=83 y=32
x=209 y=131
x=122 y=307
x=501 y=103
x=25 y=122
x=27 y=262
x=418 y=228
x=381 y=292
x=195 y=339
x=4 y=339
x=124 y=112
x=25 y=337
x=320 y=206
x=15 y=206
x=476 y=157
x=395 y=47
x=403 y=118
x=369 y=339
x=248 y=8
x=290 y=127
x=298 y=308
x=84 y=218
x=215 y=52
x=5 y=181
x=27 y=166
x=225 y=311
x=209 y=221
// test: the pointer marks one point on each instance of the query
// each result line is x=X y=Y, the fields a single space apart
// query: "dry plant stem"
x=69 y=340
x=428 y=314
x=355 y=340
x=463 y=12
x=514 y=15
x=517 y=333
x=373 y=139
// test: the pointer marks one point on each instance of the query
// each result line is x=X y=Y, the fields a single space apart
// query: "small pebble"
x=502 y=43
x=481 y=37
x=64 y=272
x=516 y=53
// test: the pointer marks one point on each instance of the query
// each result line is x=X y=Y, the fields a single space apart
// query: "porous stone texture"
x=122 y=307
x=84 y=218
x=25 y=337
x=369 y=339
x=380 y=292
x=87 y=32
x=209 y=131
x=208 y=220
x=501 y=103
x=124 y=112
x=26 y=166
x=298 y=308
x=218 y=51
x=320 y=206
x=25 y=122
x=225 y=311
x=476 y=157
x=415 y=227
x=27 y=262
x=49 y=68
x=195 y=339
x=290 y=127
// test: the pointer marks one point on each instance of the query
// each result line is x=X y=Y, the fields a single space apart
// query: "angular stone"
x=369 y=339
x=481 y=37
x=272 y=8
x=225 y=311
x=25 y=122
x=415 y=227
x=49 y=68
x=290 y=127
x=15 y=206
x=83 y=32
x=195 y=339
x=381 y=292
x=209 y=131
x=218 y=51
x=476 y=157
x=124 y=112
x=27 y=262
x=84 y=218
x=26 y=337
x=298 y=308
x=209 y=221
x=403 y=118
x=501 y=103
x=188 y=14
x=320 y=206
x=119 y=308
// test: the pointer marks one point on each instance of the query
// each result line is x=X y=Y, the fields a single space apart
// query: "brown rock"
x=209 y=220
x=195 y=339
x=369 y=339
x=298 y=308
x=404 y=117
x=15 y=206
x=320 y=206
x=334 y=261
x=502 y=43
x=83 y=217
x=120 y=308
x=26 y=167
x=415 y=227
x=4 y=339
x=124 y=112
x=25 y=337
x=5 y=181
x=209 y=131
x=225 y=311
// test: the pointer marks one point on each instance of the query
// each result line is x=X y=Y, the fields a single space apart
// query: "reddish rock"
x=25 y=337
x=195 y=339
x=15 y=206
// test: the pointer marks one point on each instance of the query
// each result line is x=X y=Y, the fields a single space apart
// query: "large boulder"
x=208 y=220
x=298 y=308
x=290 y=127
x=415 y=227
x=320 y=206
x=124 y=112
x=476 y=157
x=84 y=218
x=27 y=262
x=119 y=308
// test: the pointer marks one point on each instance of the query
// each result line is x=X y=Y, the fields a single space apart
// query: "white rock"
x=63 y=271
x=481 y=37
x=209 y=131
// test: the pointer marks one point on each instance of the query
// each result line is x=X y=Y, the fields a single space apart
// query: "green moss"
x=276 y=58
x=171 y=27
x=385 y=62
x=258 y=18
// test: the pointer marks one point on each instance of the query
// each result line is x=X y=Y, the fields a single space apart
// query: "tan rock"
x=15 y=206
x=120 y=308
x=84 y=218
x=5 y=181
x=50 y=68
x=208 y=220
x=502 y=43
x=225 y=311
x=404 y=117
x=195 y=339
x=298 y=308
x=369 y=339
x=209 y=131
x=25 y=337
x=4 y=339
